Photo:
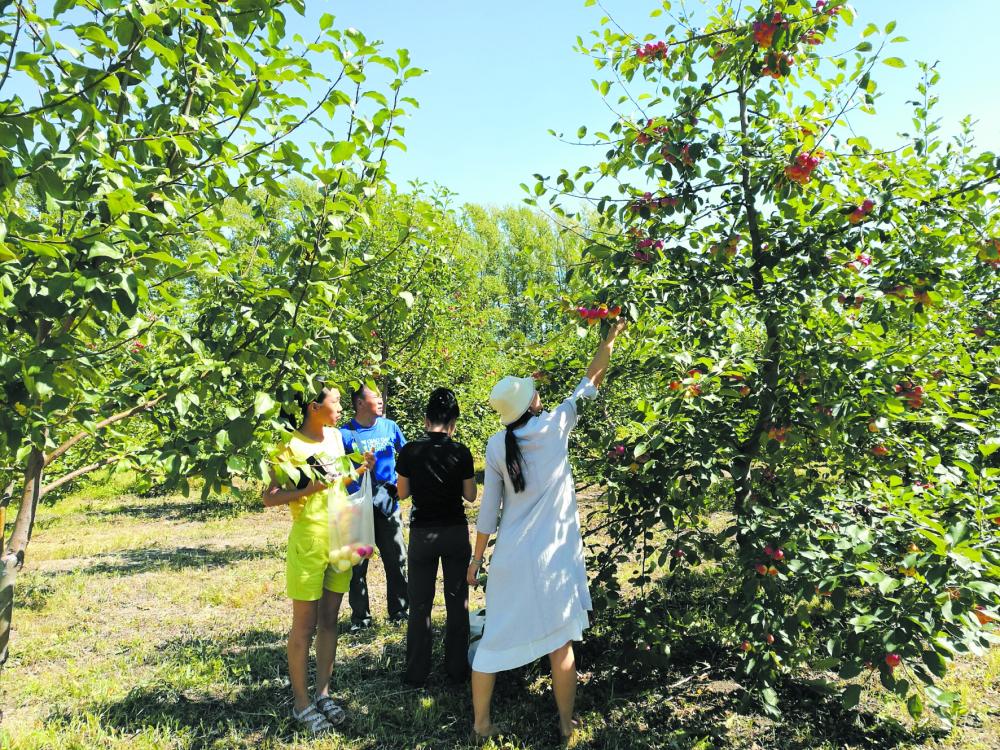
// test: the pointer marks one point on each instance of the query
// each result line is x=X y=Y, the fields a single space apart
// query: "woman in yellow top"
x=307 y=472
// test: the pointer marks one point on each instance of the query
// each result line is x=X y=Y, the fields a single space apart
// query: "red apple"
x=893 y=660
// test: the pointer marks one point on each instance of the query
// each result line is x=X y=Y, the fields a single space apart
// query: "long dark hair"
x=442 y=407
x=515 y=461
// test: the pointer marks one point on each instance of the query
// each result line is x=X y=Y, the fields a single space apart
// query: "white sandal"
x=333 y=713
x=312 y=721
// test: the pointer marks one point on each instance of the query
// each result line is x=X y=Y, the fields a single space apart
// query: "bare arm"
x=402 y=486
x=602 y=357
x=469 y=489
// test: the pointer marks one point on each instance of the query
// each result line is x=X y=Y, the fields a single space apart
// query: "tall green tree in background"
x=815 y=347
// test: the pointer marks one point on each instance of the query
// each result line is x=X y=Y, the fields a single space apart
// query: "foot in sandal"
x=311 y=721
x=333 y=713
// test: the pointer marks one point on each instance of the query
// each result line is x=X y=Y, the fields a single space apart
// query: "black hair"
x=442 y=406
x=296 y=421
x=515 y=461
x=357 y=394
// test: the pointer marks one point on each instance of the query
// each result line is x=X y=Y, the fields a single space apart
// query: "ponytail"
x=515 y=461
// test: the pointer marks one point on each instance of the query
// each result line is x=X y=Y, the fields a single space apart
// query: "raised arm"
x=602 y=357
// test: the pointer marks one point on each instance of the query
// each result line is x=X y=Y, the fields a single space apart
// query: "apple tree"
x=815 y=344
x=128 y=131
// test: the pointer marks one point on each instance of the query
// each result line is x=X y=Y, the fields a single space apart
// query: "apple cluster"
x=800 y=172
x=912 y=394
x=649 y=201
x=344 y=558
x=778 y=433
x=651 y=51
x=777 y=65
x=773 y=555
x=863 y=260
x=594 y=315
x=764 y=31
x=858 y=213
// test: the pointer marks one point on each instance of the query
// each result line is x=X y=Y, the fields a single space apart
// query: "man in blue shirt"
x=369 y=431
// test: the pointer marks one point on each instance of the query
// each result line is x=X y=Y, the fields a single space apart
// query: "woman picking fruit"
x=537 y=599
x=308 y=473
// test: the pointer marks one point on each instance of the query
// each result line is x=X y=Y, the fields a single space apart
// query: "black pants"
x=450 y=545
x=389 y=540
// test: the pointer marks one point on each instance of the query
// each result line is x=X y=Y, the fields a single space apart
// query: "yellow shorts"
x=308 y=571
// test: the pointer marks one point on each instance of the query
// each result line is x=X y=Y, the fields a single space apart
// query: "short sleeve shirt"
x=436 y=467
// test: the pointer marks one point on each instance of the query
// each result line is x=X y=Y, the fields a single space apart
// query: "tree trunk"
x=25 y=520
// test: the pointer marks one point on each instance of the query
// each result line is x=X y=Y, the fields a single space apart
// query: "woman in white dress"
x=537 y=599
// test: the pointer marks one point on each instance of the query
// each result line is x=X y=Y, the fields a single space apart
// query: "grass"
x=160 y=623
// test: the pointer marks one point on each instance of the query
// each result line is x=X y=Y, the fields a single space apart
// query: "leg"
x=360 y=612
x=389 y=538
x=326 y=640
x=482 y=697
x=299 y=639
x=422 y=574
x=454 y=564
x=564 y=685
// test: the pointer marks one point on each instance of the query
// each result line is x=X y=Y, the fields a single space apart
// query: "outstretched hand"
x=619 y=325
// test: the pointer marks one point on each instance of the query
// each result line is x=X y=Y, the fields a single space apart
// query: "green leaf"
x=894 y=62
x=851 y=696
x=262 y=403
x=915 y=706
x=935 y=663
x=342 y=151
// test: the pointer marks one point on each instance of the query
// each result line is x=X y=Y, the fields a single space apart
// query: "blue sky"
x=501 y=74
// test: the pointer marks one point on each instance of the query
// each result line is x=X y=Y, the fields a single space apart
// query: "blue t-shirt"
x=384 y=439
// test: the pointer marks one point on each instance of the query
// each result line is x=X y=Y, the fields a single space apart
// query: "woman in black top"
x=438 y=473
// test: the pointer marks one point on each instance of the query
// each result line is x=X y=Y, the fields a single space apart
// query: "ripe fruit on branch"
x=761 y=568
x=594 y=315
x=880 y=450
x=764 y=31
x=651 y=51
x=800 y=171
x=769 y=639
x=858 y=213
x=893 y=660
x=745 y=646
x=778 y=433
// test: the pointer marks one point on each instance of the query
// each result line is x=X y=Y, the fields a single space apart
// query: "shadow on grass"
x=165 y=509
x=133 y=561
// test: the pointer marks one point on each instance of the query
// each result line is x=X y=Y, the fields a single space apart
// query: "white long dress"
x=537 y=597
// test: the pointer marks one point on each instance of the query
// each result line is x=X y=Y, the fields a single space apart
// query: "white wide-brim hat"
x=511 y=397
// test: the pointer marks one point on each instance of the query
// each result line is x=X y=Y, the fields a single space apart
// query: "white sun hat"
x=511 y=397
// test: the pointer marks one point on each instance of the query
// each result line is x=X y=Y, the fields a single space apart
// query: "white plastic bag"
x=351 y=522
